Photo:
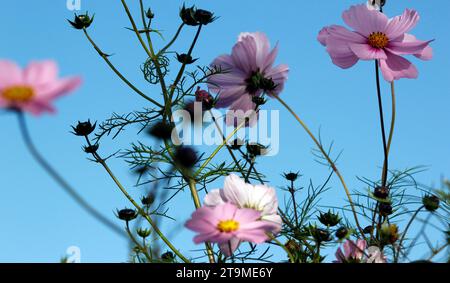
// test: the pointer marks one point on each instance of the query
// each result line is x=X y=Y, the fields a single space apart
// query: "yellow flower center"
x=228 y=226
x=18 y=94
x=378 y=40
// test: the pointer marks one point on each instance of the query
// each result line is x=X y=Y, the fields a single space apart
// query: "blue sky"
x=39 y=222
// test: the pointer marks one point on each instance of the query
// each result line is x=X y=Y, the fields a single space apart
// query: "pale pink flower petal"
x=251 y=57
x=367 y=52
x=228 y=225
x=396 y=67
x=229 y=247
x=261 y=198
x=57 y=88
x=365 y=21
x=10 y=74
x=39 y=73
x=376 y=38
x=400 y=25
x=33 y=89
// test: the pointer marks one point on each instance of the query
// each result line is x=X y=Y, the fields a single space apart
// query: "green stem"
x=216 y=151
x=114 y=69
x=183 y=66
x=332 y=164
x=60 y=180
x=143 y=249
x=391 y=132
x=406 y=230
x=241 y=170
x=136 y=205
x=291 y=257
x=172 y=41
x=383 y=131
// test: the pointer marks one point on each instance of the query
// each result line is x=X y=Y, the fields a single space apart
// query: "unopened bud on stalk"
x=389 y=233
x=83 y=128
x=168 y=257
x=256 y=149
x=149 y=14
x=82 y=21
x=91 y=148
x=431 y=202
x=385 y=209
x=126 y=214
x=143 y=233
x=148 y=200
x=329 y=219
x=185 y=59
x=381 y=192
x=342 y=233
x=186 y=157
x=161 y=130
x=291 y=176
x=205 y=98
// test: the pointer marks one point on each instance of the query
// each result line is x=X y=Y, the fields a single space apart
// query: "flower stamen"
x=378 y=40
x=18 y=94
x=228 y=226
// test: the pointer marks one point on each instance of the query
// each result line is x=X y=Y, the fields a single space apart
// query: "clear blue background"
x=39 y=222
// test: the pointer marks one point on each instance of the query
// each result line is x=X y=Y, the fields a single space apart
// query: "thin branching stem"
x=383 y=131
x=328 y=158
x=60 y=180
x=117 y=72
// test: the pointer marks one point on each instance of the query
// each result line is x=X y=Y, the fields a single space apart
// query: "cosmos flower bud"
x=187 y=15
x=342 y=233
x=385 y=209
x=84 y=128
x=291 y=176
x=82 y=21
x=185 y=59
x=381 y=192
x=205 y=98
x=148 y=200
x=149 y=14
x=204 y=17
x=91 y=148
x=126 y=214
x=144 y=233
x=368 y=229
x=329 y=219
x=258 y=100
x=389 y=233
x=161 y=130
x=320 y=235
x=256 y=149
x=168 y=257
x=431 y=202
x=186 y=157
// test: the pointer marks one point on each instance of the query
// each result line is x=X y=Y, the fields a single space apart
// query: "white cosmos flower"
x=258 y=197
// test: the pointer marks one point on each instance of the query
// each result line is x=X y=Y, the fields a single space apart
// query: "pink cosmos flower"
x=376 y=38
x=34 y=88
x=227 y=225
x=247 y=72
x=261 y=198
x=359 y=253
